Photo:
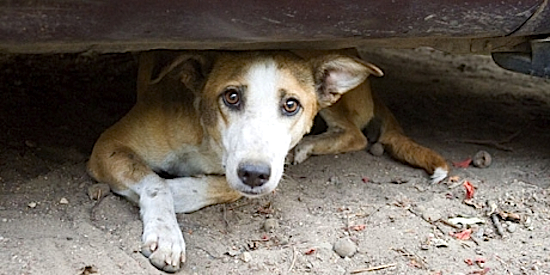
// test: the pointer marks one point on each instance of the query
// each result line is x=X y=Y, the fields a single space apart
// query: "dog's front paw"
x=301 y=152
x=163 y=244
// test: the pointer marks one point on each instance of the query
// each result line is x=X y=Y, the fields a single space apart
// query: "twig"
x=239 y=206
x=225 y=216
x=412 y=256
x=497 y=144
x=374 y=268
x=372 y=213
x=447 y=223
x=208 y=253
x=474 y=239
x=293 y=259
x=433 y=223
x=348 y=225
x=504 y=264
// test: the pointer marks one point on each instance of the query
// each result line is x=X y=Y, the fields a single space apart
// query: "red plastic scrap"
x=470 y=190
x=463 y=235
x=463 y=164
x=480 y=272
x=310 y=251
x=360 y=227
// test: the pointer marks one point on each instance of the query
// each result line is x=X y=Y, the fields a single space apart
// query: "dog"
x=211 y=127
x=360 y=118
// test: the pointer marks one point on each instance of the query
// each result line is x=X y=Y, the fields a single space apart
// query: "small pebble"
x=64 y=201
x=270 y=225
x=246 y=257
x=32 y=204
x=98 y=191
x=482 y=159
x=345 y=248
x=377 y=149
x=512 y=228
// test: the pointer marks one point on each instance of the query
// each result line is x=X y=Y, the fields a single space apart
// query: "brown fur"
x=350 y=115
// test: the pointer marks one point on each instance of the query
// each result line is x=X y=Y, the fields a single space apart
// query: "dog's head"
x=256 y=106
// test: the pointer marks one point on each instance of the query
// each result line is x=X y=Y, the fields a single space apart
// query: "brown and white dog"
x=221 y=124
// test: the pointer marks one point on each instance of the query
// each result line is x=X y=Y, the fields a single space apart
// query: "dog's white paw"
x=163 y=244
x=302 y=151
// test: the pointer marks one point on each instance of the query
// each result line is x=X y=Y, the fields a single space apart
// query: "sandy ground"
x=54 y=107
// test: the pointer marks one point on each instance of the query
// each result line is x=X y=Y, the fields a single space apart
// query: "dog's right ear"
x=335 y=75
x=192 y=69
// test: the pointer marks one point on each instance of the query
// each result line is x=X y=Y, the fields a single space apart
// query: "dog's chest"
x=190 y=163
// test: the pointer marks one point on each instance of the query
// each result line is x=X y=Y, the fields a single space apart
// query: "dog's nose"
x=254 y=175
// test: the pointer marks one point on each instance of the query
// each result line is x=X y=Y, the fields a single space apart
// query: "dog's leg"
x=159 y=199
x=159 y=202
x=405 y=149
x=341 y=136
x=344 y=120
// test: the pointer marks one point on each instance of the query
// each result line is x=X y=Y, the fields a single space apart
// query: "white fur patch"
x=190 y=193
x=259 y=133
x=162 y=239
x=439 y=175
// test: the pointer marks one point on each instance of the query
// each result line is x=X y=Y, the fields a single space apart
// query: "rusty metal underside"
x=55 y=26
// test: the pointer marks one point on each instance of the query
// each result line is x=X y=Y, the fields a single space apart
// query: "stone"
x=246 y=257
x=377 y=149
x=345 y=247
x=270 y=225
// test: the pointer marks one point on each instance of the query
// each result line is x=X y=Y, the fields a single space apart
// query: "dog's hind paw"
x=164 y=247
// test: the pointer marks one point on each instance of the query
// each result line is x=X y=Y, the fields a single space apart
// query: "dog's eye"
x=291 y=106
x=232 y=97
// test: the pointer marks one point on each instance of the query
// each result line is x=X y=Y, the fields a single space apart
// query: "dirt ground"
x=52 y=109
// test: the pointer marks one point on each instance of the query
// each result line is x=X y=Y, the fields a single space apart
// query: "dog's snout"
x=254 y=175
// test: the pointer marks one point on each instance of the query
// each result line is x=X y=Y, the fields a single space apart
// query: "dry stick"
x=434 y=223
x=225 y=216
x=374 y=268
x=504 y=264
x=412 y=256
x=494 y=143
x=293 y=259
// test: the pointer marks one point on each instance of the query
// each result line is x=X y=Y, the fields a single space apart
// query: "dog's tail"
x=405 y=149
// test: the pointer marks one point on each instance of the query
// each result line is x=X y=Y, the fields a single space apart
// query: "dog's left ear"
x=336 y=74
